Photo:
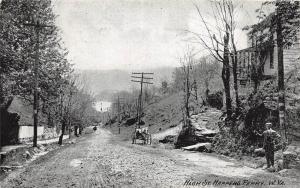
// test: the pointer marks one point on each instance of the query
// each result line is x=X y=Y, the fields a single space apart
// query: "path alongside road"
x=102 y=160
x=6 y=149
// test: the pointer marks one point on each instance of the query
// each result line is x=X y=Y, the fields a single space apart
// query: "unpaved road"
x=102 y=160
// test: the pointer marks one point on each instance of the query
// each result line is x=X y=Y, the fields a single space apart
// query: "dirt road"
x=102 y=160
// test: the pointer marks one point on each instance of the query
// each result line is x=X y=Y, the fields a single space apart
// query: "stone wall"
x=291 y=58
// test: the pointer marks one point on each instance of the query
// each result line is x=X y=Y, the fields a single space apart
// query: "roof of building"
x=25 y=111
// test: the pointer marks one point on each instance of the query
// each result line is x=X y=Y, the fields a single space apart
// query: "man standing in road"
x=269 y=138
x=269 y=143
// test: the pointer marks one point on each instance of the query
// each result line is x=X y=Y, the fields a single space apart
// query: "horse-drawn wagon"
x=141 y=134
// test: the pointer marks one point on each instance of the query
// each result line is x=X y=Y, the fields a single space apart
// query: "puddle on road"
x=75 y=162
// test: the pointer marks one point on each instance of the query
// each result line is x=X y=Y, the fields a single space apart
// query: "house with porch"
x=251 y=60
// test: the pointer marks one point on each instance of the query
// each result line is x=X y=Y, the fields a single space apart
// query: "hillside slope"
x=159 y=116
x=165 y=114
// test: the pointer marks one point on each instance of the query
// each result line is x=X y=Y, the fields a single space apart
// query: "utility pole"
x=119 y=115
x=109 y=119
x=37 y=27
x=137 y=106
x=118 y=106
x=140 y=80
x=119 y=102
x=281 y=92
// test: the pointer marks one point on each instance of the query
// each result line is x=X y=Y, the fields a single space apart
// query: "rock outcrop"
x=291 y=157
x=199 y=134
x=199 y=147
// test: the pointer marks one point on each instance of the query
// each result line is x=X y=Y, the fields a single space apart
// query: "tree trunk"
x=196 y=91
x=80 y=130
x=63 y=127
x=256 y=84
x=235 y=82
x=281 y=97
x=1 y=108
x=187 y=97
x=0 y=130
x=76 y=131
x=226 y=76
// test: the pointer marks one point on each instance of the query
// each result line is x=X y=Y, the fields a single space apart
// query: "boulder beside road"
x=291 y=157
x=199 y=147
x=259 y=152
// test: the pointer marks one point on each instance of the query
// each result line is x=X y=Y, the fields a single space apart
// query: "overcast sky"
x=134 y=34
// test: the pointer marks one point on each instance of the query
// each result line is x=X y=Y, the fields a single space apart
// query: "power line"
x=140 y=79
x=119 y=102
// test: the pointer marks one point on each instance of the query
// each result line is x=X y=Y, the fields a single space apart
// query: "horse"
x=141 y=134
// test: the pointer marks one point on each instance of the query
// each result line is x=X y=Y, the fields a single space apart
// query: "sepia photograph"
x=149 y=93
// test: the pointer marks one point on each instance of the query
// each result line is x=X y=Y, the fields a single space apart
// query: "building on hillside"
x=17 y=124
x=248 y=58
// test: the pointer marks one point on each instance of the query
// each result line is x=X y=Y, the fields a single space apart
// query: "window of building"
x=243 y=83
x=272 y=58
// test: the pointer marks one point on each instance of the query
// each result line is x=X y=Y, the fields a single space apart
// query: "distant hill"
x=106 y=82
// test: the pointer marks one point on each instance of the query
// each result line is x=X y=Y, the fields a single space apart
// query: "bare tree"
x=220 y=42
x=186 y=66
x=66 y=96
x=207 y=70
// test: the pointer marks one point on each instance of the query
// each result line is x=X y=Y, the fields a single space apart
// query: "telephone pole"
x=119 y=103
x=140 y=78
x=37 y=27
x=119 y=114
